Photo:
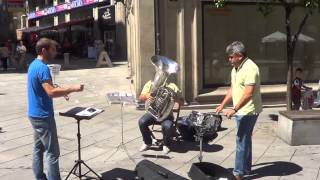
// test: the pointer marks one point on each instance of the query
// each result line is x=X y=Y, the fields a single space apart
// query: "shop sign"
x=62 y=7
x=106 y=16
x=76 y=4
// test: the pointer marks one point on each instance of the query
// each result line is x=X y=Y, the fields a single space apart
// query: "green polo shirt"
x=246 y=74
x=148 y=85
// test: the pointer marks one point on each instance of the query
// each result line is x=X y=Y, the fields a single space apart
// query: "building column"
x=67 y=15
x=55 y=18
x=181 y=47
x=96 y=29
x=37 y=21
x=121 y=38
x=144 y=46
x=197 y=67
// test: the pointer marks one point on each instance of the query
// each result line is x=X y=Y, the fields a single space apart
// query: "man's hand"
x=229 y=113
x=60 y=91
x=219 y=108
x=77 y=88
x=149 y=98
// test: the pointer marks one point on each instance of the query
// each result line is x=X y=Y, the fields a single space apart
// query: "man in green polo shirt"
x=246 y=97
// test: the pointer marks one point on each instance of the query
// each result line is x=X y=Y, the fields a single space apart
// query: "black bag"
x=186 y=128
x=147 y=170
x=209 y=171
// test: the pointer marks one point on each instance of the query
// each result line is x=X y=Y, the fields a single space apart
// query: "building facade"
x=10 y=13
x=195 y=34
x=79 y=22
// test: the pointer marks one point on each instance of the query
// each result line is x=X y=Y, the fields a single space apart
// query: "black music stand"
x=73 y=113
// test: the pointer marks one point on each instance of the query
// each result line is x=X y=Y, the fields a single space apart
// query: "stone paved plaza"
x=272 y=158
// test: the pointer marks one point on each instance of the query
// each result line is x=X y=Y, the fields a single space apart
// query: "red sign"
x=16 y=3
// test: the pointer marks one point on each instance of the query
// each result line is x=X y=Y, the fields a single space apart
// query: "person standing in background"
x=21 y=51
x=4 y=56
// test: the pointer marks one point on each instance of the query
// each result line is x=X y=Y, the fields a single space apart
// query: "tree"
x=266 y=7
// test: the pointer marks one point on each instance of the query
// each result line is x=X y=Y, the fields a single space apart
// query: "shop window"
x=244 y=23
x=81 y=13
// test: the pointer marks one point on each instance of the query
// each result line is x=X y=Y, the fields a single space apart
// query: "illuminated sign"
x=62 y=7
x=51 y=10
x=76 y=3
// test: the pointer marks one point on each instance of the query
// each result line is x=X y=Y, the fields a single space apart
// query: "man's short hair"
x=44 y=43
x=236 y=47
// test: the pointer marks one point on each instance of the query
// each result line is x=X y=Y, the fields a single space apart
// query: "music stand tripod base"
x=79 y=161
x=122 y=99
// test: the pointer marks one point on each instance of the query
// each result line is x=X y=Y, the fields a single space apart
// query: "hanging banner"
x=62 y=7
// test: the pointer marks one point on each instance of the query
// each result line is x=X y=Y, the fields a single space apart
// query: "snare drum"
x=208 y=122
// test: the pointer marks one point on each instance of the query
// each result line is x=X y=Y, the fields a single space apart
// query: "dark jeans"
x=45 y=142
x=167 y=128
x=243 y=161
x=296 y=103
x=4 y=62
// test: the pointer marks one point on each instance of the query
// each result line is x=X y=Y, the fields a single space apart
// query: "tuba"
x=162 y=104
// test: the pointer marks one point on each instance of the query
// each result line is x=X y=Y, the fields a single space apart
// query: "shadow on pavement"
x=277 y=168
x=118 y=173
x=222 y=129
x=185 y=146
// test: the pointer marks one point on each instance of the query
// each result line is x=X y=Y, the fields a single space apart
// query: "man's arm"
x=247 y=95
x=58 y=91
x=225 y=100
x=144 y=97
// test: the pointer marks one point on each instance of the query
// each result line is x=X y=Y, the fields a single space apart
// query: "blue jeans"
x=45 y=141
x=243 y=161
x=167 y=128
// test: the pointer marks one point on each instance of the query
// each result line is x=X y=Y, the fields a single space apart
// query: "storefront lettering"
x=89 y=1
x=51 y=10
x=76 y=3
x=61 y=7
x=32 y=15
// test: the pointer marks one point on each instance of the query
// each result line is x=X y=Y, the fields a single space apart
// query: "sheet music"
x=121 y=97
x=88 y=112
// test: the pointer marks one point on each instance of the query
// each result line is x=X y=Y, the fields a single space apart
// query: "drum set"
x=204 y=123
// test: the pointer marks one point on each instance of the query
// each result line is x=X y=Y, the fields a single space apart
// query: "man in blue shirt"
x=40 y=110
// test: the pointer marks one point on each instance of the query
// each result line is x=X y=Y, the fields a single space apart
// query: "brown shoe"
x=238 y=177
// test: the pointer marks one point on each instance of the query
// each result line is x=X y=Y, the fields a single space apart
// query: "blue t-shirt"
x=40 y=105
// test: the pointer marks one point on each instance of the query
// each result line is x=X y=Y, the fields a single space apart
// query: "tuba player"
x=147 y=119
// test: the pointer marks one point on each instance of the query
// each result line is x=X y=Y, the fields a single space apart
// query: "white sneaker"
x=144 y=147
x=165 y=150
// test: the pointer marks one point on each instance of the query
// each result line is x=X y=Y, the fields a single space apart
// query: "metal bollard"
x=66 y=59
